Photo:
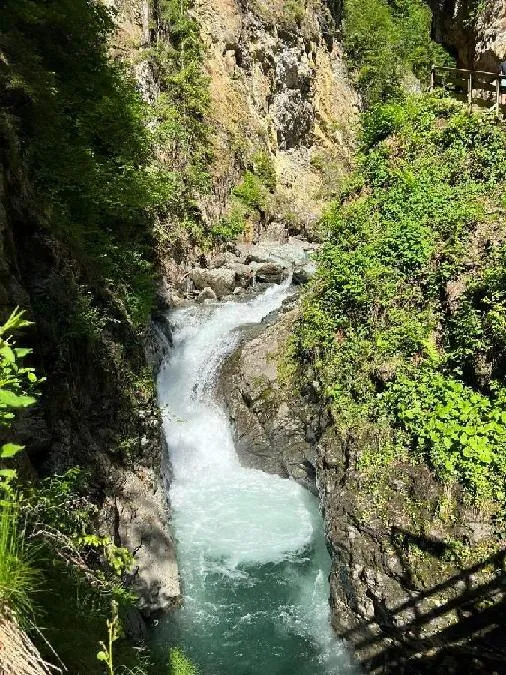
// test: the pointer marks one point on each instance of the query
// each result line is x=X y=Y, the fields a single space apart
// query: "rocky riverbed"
x=242 y=269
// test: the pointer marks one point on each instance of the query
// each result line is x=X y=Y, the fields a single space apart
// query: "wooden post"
x=432 y=77
x=470 y=90
x=498 y=95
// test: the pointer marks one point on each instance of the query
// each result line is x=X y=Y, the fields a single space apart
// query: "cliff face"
x=98 y=406
x=278 y=87
x=476 y=32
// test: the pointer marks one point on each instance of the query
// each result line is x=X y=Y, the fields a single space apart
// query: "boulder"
x=243 y=274
x=206 y=294
x=270 y=273
x=225 y=259
x=221 y=281
x=303 y=273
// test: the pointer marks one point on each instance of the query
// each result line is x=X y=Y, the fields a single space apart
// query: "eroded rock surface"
x=142 y=510
x=475 y=31
x=278 y=85
x=274 y=431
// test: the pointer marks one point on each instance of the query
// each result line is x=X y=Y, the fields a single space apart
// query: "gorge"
x=253 y=415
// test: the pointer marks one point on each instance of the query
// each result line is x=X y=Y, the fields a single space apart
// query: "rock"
x=270 y=273
x=293 y=252
x=143 y=527
x=176 y=301
x=294 y=116
x=284 y=85
x=455 y=289
x=221 y=281
x=303 y=273
x=206 y=294
x=258 y=255
x=223 y=259
x=270 y=432
x=133 y=624
x=479 y=41
x=243 y=274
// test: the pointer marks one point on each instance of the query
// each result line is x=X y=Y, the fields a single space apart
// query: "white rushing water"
x=251 y=549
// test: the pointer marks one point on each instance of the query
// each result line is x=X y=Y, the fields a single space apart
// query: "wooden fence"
x=470 y=85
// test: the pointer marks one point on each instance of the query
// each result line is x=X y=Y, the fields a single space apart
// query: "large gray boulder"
x=243 y=274
x=221 y=281
x=270 y=427
x=270 y=273
x=207 y=294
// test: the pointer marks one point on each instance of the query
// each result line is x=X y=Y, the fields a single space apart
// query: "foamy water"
x=251 y=548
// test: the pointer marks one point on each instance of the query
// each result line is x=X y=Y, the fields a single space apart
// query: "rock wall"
x=87 y=412
x=98 y=406
x=278 y=85
x=474 y=31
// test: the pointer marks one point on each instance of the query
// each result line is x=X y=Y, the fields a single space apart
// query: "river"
x=251 y=548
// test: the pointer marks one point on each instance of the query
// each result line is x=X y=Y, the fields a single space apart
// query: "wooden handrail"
x=483 y=79
x=466 y=70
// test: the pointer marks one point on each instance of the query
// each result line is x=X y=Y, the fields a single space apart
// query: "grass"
x=19 y=577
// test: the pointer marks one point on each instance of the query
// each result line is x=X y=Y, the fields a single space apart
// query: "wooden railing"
x=472 y=84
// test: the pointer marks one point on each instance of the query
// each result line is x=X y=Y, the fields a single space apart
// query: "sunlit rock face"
x=475 y=32
x=278 y=85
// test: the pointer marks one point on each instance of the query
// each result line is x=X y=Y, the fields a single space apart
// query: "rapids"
x=251 y=549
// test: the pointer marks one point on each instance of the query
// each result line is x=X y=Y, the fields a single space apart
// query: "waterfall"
x=251 y=547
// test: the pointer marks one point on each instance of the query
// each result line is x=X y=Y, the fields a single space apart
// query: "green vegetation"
x=179 y=664
x=55 y=571
x=405 y=321
x=293 y=12
x=181 y=133
x=98 y=183
x=251 y=198
x=105 y=655
x=19 y=577
x=232 y=225
x=387 y=42
x=82 y=132
x=47 y=532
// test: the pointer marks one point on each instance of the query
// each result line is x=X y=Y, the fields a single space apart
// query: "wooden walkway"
x=475 y=86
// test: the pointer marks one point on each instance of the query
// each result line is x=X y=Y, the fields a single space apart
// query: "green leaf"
x=14 y=321
x=12 y=400
x=21 y=352
x=7 y=354
x=10 y=450
x=8 y=473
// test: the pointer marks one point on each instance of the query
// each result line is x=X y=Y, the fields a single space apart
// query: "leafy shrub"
x=181 y=131
x=377 y=326
x=461 y=432
x=19 y=577
x=231 y=226
x=263 y=167
x=252 y=192
x=293 y=12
